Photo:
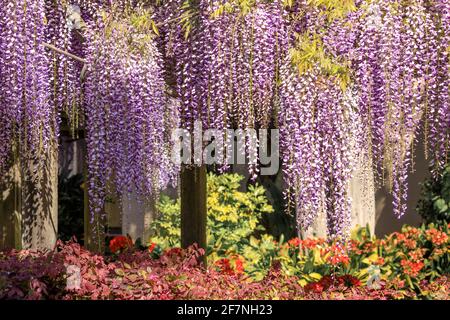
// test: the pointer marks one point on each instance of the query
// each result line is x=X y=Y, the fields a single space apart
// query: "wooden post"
x=193 y=207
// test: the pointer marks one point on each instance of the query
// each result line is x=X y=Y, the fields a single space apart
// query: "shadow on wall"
x=10 y=198
x=385 y=221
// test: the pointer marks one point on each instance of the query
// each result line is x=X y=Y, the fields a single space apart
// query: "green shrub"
x=434 y=206
x=233 y=216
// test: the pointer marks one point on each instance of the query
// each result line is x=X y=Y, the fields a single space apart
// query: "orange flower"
x=411 y=268
x=338 y=255
x=436 y=237
x=416 y=255
x=410 y=244
x=412 y=232
x=340 y=258
x=400 y=237
x=311 y=243
x=224 y=266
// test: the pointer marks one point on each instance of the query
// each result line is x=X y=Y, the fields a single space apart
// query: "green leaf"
x=119 y=272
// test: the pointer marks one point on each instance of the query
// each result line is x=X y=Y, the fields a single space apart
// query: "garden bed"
x=412 y=264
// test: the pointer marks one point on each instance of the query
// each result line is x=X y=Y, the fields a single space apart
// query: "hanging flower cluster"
x=320 y=126
x=395 y=54
x=66 y=71
x=402 y=78
x=128 y=112
x=27 y=125
x=66 y=25
x=437 y=76
x=226 y=61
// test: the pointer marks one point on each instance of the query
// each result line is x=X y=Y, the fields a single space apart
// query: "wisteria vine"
x=129 y=115
x=344 y=81
x=27 y=119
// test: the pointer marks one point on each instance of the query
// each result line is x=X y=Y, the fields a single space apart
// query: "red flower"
x=412 y=232
x=151 y=247
x=312 y=243
x=224 y=266
x=120 y=243
x=336 y=259
x=239 y=265
x=314 y=287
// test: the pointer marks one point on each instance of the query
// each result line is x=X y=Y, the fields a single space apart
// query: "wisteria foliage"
x=345 y=81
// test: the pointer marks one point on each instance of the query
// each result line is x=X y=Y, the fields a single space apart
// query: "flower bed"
x=411 y=264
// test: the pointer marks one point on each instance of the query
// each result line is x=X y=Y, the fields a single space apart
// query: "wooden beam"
x=70 y=55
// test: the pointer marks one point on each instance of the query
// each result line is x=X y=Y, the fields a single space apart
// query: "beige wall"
x=29 y=205
x=386 y=222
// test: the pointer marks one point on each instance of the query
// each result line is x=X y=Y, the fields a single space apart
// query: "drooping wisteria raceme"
x=320 y=129
x=437 y=75
x=128 y=111
x=66 y=25
x=396 y=65
x=392 y=48
x=226 y=62
x=27 y=117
